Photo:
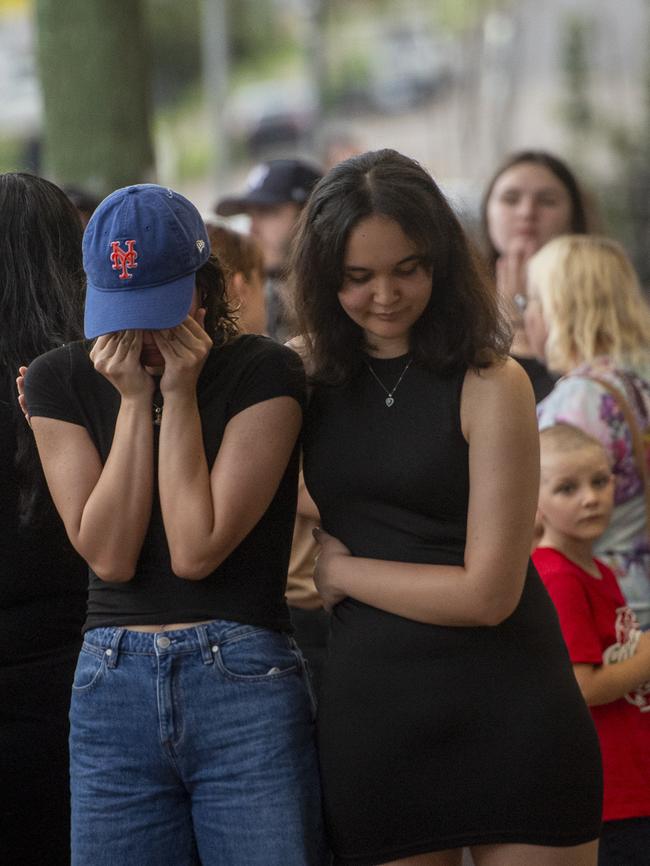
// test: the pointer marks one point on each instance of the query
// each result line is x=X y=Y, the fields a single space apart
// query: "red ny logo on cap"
x=124 y=259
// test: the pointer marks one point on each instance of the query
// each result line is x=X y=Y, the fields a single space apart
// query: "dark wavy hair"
x=460 y=327
x=220 y=321
x=41 y=302
x=579 y=215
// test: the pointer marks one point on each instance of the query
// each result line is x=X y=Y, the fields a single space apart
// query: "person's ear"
x=238 y=289
x=538 y=530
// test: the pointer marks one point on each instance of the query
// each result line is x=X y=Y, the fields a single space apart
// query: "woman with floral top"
x=587 y=318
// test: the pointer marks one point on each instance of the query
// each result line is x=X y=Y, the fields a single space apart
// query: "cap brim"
x=150 y=308
x=233 y=206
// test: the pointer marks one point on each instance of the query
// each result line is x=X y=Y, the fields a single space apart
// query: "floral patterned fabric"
x=579 y=400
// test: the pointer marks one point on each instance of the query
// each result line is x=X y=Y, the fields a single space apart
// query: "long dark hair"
x=41 y=301
x=461 y=326
x=579 y=217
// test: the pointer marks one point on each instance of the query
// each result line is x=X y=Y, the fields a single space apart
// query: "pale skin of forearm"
x=105 y=509
x=208 y=513
x=602 y=684
x=498 y=421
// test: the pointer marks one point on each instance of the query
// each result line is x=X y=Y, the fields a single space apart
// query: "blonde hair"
x=591 y=302
x=566 y=437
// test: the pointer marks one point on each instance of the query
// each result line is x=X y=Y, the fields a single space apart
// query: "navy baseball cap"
x=278 y=181
x=141 y=250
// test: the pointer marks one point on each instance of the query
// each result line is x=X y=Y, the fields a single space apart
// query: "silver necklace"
x=390 y=399
x=157 y=408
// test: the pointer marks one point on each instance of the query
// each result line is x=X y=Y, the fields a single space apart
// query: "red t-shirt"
x=595 y=620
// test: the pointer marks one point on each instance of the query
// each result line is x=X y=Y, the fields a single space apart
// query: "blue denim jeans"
x=193 y=746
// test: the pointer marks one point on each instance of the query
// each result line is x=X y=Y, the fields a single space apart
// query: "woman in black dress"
x=449 y=716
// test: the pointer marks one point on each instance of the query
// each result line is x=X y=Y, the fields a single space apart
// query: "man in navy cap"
x=276 y=192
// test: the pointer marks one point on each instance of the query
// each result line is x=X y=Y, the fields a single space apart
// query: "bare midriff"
x=169 y=626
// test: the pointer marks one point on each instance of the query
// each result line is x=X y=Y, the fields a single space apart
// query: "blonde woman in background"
x=587 y=319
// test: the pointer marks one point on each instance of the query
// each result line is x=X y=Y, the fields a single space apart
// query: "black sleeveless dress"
x=434 y=737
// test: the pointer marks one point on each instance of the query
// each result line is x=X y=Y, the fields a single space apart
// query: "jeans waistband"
x=113 y=640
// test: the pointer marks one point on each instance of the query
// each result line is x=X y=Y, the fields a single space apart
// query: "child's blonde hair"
x=566 y=437
x=591 y=302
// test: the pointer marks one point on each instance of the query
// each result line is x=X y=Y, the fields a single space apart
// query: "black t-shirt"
x=249 y=585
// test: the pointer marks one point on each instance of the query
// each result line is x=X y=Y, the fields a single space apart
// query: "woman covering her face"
x=169 y=447
x=449 y=714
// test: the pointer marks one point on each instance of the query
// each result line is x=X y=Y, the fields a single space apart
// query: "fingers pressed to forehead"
x=187 y=337
x=193 y=326
x=165 y=344
x=102 y=341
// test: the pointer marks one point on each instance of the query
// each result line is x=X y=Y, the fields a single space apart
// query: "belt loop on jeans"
x=302 y=662
x=113 y=649
x=204 y=643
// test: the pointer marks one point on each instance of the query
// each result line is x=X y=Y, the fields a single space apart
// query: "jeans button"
x=163 y=642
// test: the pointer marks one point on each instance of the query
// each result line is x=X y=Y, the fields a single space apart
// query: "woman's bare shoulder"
x=506 y=376
x=501 y=391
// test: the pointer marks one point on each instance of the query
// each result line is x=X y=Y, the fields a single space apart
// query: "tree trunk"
x=94 y=69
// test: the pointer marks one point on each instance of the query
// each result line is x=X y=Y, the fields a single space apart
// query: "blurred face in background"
x=272 y=227
x=528 y=206
x=246 y=294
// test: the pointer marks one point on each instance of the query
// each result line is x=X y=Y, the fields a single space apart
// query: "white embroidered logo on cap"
x=257 y=176
x=200 y=245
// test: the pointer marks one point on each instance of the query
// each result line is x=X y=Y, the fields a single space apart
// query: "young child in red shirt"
x=610 y=655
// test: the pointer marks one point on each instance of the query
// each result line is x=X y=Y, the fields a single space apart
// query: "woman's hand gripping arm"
x=498 y=421
x=207 y=514
x=105 y=509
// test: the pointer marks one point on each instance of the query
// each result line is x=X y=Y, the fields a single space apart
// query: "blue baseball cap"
x=141 y=250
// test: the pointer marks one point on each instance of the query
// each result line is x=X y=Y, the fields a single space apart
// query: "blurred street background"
x=102 y=93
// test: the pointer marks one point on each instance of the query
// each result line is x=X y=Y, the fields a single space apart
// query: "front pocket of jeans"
x=89 y=670
x=258 y=656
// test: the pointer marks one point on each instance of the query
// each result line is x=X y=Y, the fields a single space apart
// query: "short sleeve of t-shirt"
x=579 y=627
x=47 y=387
x=271 y=371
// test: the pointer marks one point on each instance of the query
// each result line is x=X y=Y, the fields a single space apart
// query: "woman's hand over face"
x=331 y=552
x=511 y=275
x=185 y=349
x=117 y=357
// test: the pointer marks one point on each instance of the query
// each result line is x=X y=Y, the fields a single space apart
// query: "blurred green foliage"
x=174 y=30
x=12 y=154
x=624 y=198
x=259 y=40
x=577 y=36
